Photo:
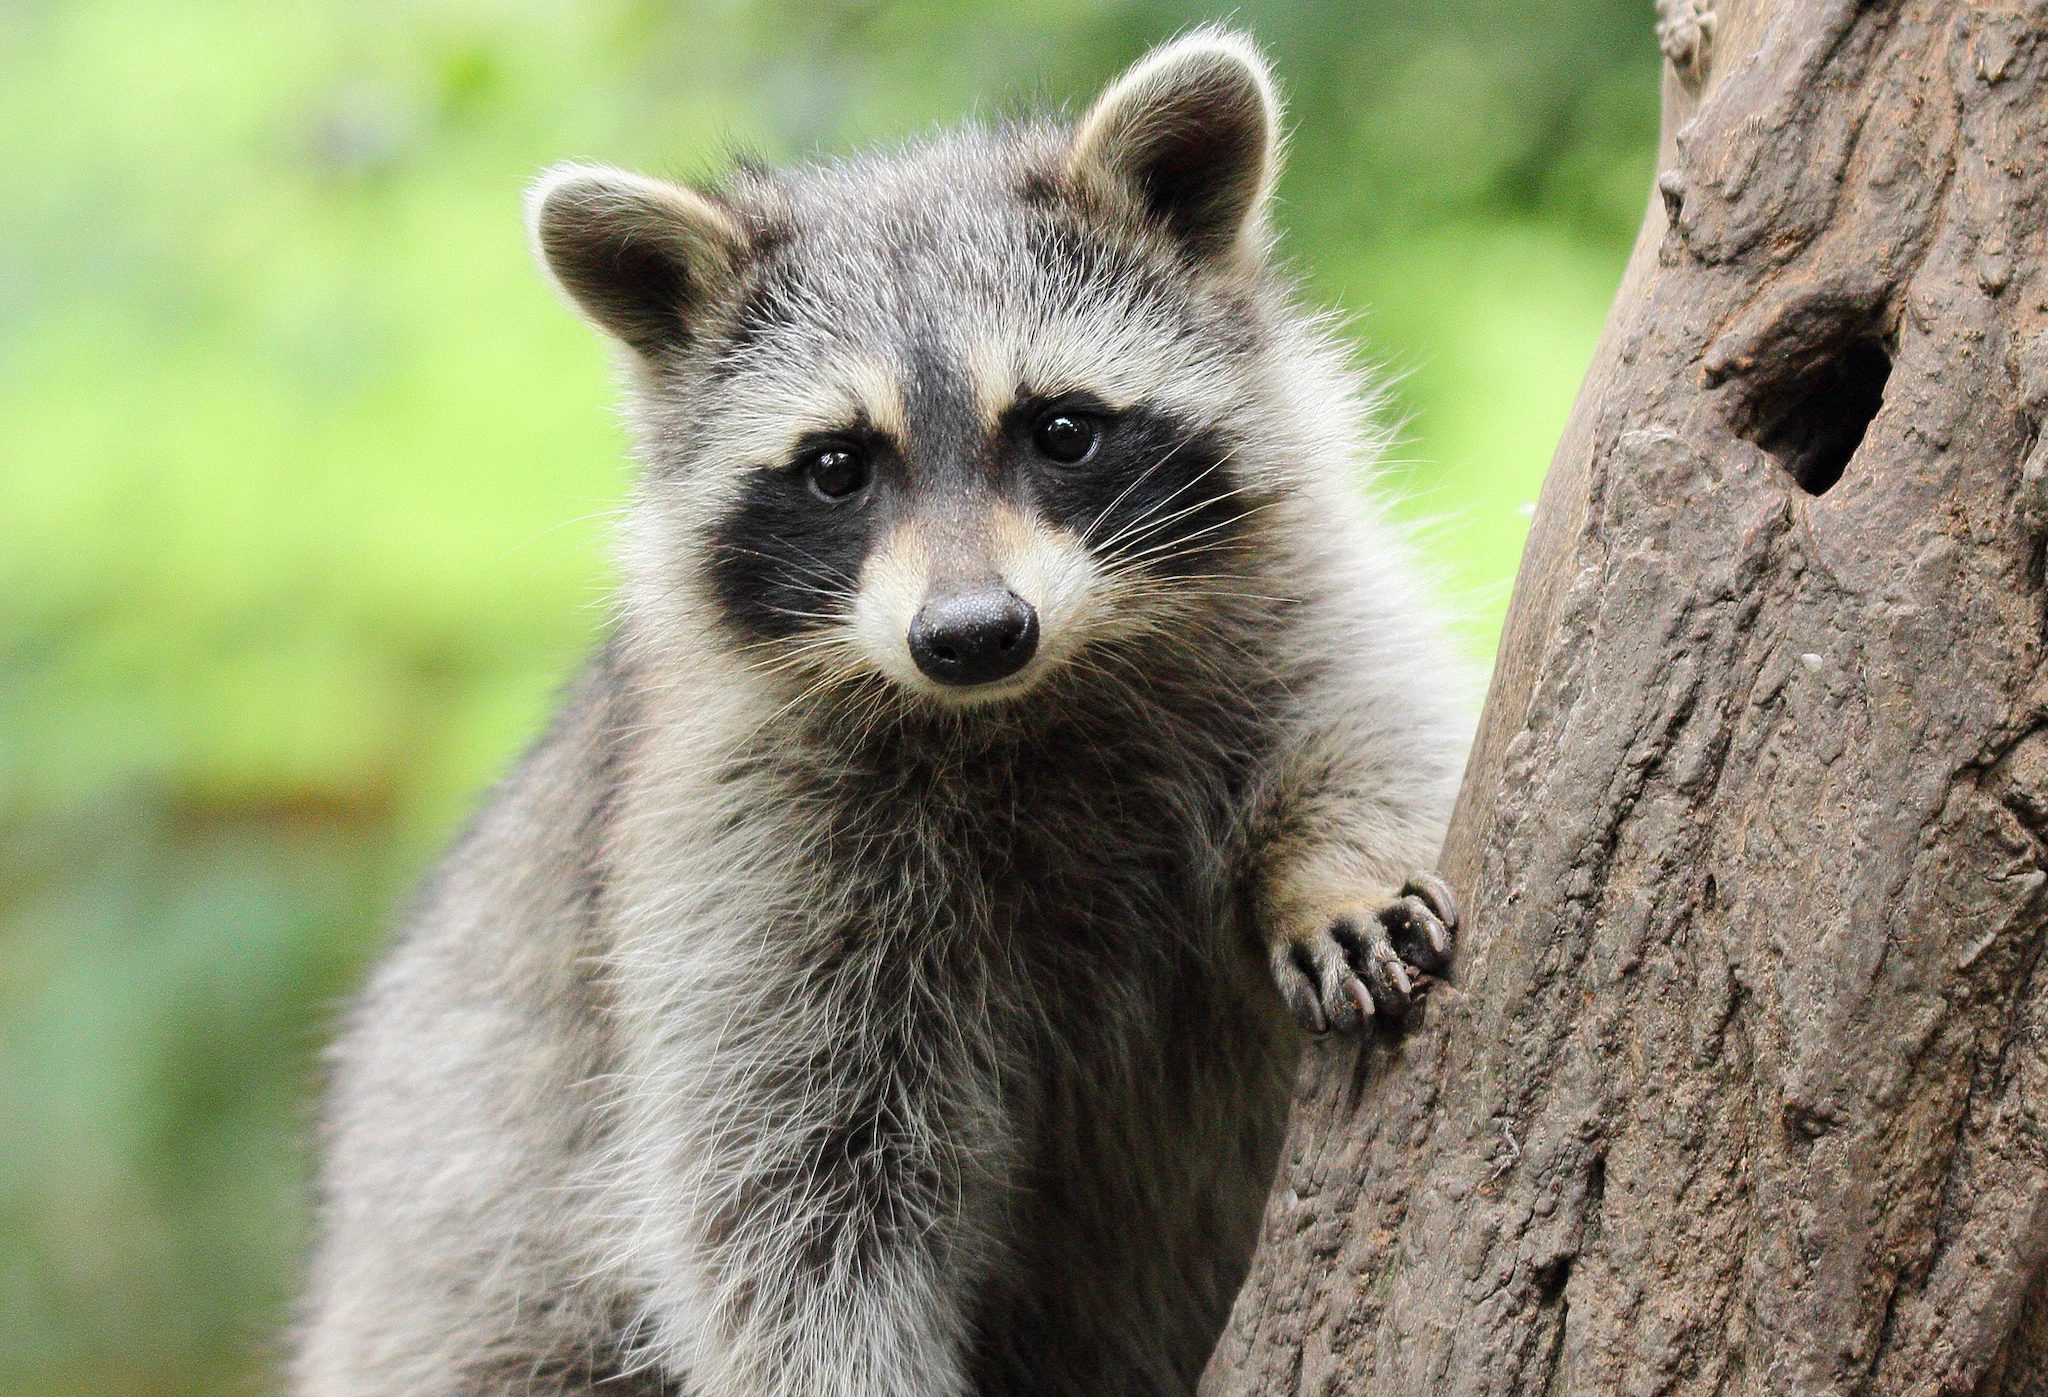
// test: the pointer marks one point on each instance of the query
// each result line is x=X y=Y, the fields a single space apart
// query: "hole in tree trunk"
x=1813 y=421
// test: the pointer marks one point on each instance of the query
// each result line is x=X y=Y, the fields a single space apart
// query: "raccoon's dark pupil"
x=836 y=472
x=1065 y=437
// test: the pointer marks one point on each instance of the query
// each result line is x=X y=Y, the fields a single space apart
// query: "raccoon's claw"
x=1424 y=921
x=1342 y=972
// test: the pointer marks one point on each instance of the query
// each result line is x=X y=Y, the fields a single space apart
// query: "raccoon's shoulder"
x=513 y=910
x=487 y=1027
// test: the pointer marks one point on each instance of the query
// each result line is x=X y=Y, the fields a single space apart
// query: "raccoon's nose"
x=974 y=637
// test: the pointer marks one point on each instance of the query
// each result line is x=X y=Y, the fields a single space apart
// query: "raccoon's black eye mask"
x=1139 y=488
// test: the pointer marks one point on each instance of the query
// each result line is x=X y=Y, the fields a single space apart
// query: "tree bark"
x=1744 y=1083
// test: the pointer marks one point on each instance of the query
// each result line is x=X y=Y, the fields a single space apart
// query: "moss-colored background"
x=304 y=481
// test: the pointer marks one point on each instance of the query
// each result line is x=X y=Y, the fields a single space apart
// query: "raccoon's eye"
x=835 y=472
x=1066 y=437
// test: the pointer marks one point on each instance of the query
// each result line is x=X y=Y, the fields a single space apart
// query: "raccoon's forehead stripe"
x=1123 y=361
x=877 y=387
x=841 y=391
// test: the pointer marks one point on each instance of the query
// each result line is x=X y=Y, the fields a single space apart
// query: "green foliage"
x=307 y=480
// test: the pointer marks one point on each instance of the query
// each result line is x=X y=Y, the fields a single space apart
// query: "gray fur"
x=783 y=1027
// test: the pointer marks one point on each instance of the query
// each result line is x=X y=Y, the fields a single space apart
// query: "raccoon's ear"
x=641 y=258
x=1192 y=131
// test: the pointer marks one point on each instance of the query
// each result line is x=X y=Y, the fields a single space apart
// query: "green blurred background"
x=304 y=482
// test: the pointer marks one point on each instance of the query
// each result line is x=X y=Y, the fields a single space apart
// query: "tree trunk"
x=1744 y=1087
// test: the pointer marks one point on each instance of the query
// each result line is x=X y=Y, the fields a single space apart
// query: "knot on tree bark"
x=1685 y=31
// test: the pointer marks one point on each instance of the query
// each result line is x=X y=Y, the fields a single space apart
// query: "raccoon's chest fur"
x=1097 y=845
x=1013 y=983
x=1139 y=1080
x=1150 y=1100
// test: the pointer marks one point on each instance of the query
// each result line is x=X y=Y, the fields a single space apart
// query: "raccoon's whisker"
x=796 y=653
x=1106 y=664
x=1155 y=517
x=615 y=512
x=872 y=709
x=1152 y=512
x=794 y=665
x=1139 y=479
x=1175 y=579
x=795 y=615
x=1145 y=681
x=819 y=571
x=799 y=655
x=1129 y=673
x=1180 y=590
x=783 y=643
x=1154 y=543
x=818 y=565
x=1183 y=544
x=1149 y=525
x=1207 y=625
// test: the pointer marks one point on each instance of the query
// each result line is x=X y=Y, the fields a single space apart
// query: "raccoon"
x=1016 y=738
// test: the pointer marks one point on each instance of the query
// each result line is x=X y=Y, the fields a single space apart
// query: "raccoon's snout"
x=974 y=637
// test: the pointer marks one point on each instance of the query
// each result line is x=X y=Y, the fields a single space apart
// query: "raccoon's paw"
x=1339 y=972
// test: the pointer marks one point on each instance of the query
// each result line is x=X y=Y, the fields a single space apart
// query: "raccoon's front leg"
x=1343 y=955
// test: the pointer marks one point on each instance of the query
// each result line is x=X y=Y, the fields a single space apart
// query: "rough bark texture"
x=1745 y=1084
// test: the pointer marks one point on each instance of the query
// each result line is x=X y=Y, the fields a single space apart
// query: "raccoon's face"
x=963 y=417
x=968 y=549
